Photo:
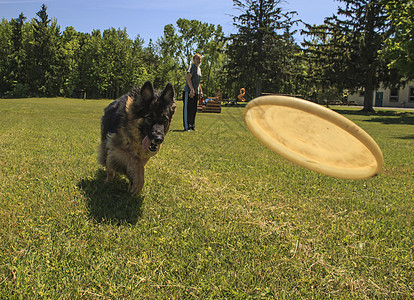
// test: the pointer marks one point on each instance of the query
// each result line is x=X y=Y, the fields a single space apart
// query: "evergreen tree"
x=350 y=43
x=12 y=53
x=262 y=44
x=326 y=64
x=5 y=54
x=17 y=70
x=45 y=58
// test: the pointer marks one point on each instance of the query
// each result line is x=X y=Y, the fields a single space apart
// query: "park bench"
x=212 y=106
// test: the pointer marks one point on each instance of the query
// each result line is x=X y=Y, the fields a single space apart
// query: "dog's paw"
x=135 y=192
x=135 y=189
x=109 y=176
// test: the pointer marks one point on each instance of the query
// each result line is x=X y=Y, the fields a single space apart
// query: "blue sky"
x=148 y=18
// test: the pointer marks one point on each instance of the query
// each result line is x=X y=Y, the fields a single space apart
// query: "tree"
x=143 y=65
x=17 y=67
x=400 y=46
x=45 y=56
x=326 y=63
x=263 y=42
x=12 y=70
x=5 y=53
x=89 y=68
x=116 y=53
x=110 y=63
x=350 y=45
x=177 y=47
x=70 y=48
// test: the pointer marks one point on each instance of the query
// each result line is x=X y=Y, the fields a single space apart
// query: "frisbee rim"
x=324 y=113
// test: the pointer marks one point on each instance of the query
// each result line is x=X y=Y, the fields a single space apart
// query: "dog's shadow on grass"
x=110 y=202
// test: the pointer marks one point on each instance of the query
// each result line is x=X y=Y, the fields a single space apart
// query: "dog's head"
x=157 y=111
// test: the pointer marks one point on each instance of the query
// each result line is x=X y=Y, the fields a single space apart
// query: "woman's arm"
x=190 y=84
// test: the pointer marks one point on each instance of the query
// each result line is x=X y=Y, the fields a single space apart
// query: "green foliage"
x=345 y=51
x=110 y=63
x=400 y=46
x=178 y=46
x=6 y=54
x=19 y=91
x=261 y=54
x=70 y=48
x=367 y=43
x=44 y=56
x=42 y=61
x=220 y=217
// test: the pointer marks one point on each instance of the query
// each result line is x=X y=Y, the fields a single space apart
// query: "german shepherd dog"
x=132 y=130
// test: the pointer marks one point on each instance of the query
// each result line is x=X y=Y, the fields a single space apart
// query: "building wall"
x=404 y=97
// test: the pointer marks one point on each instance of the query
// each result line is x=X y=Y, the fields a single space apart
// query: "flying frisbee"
x=313 y=137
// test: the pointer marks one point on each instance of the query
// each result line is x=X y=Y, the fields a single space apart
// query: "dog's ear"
x=167 y=95
x=147 y=92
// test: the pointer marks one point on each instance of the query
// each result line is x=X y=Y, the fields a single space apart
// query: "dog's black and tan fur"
x=132 y=130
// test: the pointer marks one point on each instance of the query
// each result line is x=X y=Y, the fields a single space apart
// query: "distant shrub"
x=19 y=91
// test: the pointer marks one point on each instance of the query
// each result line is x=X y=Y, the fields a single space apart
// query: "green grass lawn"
x=220 y=215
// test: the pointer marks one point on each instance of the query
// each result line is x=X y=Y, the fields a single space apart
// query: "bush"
x=19 y=91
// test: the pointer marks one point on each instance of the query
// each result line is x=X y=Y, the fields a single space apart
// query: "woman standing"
x=191 y=93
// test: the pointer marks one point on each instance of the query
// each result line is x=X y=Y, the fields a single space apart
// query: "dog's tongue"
x=146 y=143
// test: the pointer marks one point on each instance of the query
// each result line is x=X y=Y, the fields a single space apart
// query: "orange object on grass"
x=242 y=93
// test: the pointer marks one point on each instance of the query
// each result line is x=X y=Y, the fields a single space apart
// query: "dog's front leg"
x=136 y=177
x=109 y=175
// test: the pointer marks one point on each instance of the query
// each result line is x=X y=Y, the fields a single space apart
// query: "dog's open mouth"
x=153 y=147
x=147 y=144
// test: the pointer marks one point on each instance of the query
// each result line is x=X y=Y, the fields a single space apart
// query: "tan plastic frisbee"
x=313 y=137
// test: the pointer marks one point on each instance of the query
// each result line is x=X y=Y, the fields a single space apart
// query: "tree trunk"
x=369 y=90
x=370 y=64
x=368 y=100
